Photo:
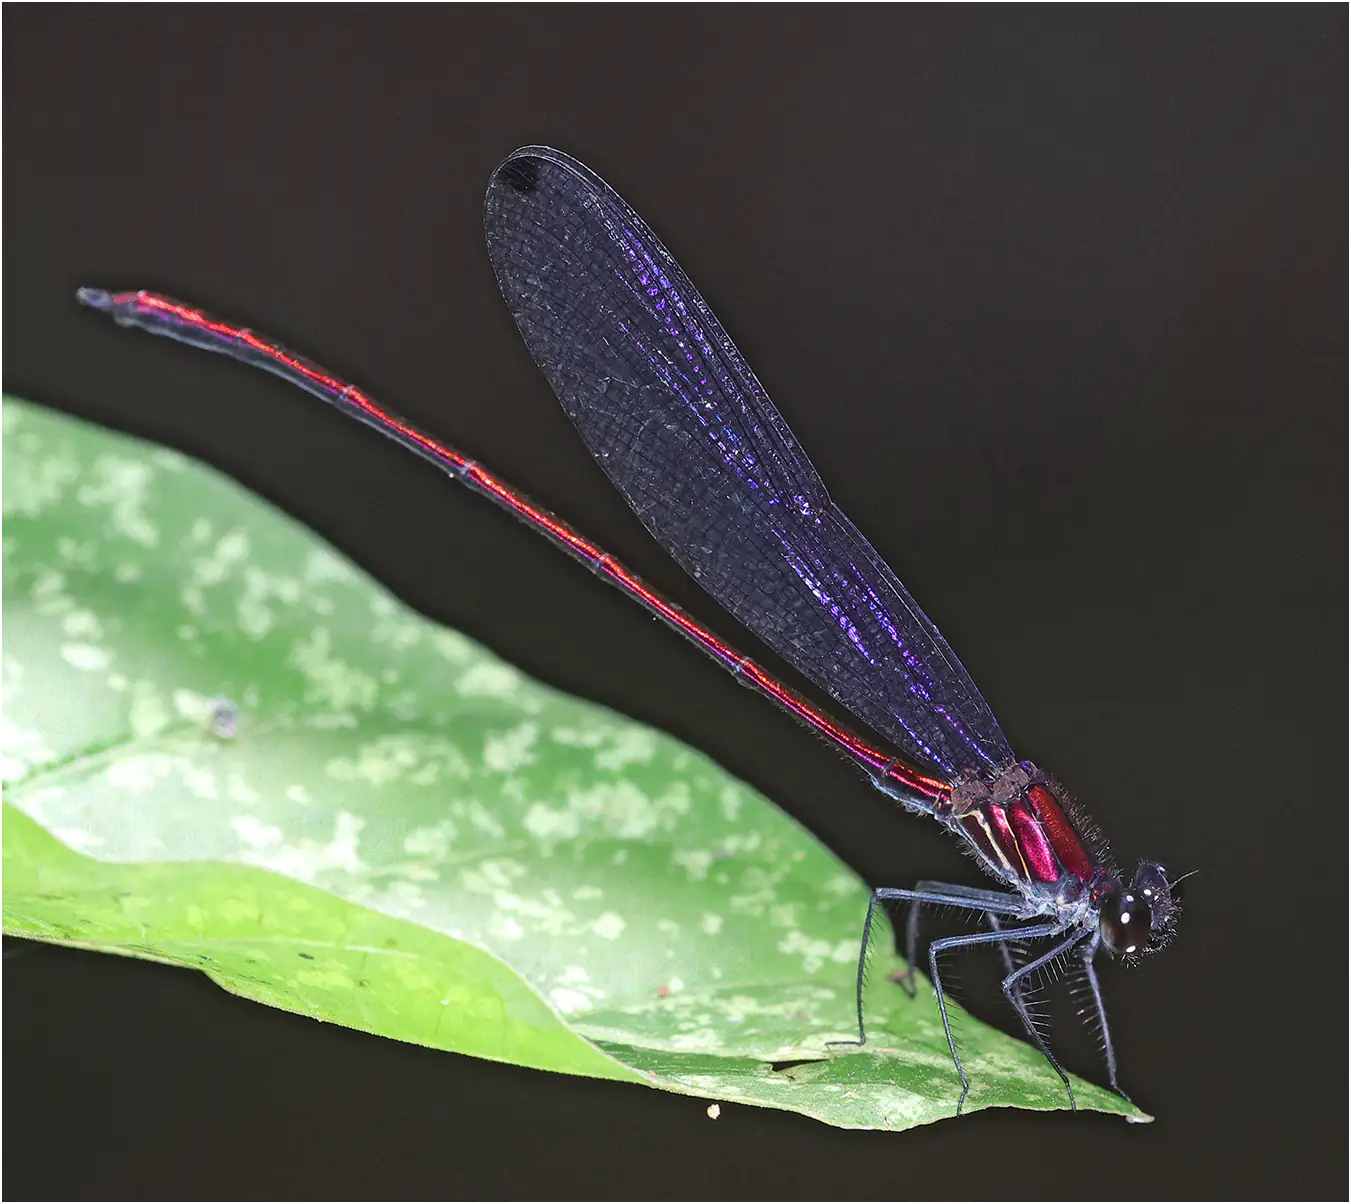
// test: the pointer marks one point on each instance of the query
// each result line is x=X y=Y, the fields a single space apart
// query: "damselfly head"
x=1135 y=920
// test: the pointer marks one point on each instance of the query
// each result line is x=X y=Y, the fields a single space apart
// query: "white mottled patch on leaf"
x=323 y=567
x=80 y=839
x=237 y=790
x=81 y=625
x=397 y=632
x=609 y=925
x=200 y=782
x=141 y=773
x=698 y=1039
x=731 y=800
x=572 y=736
x=544 y=913
x=484 y=821
x=400 y=898
x=88 y=658
x=451 y=646
x=627 y=746
x=76 y=553
x=330 y=720
x=32 y=482
x=11 y=676
x=574 y=987
x=379 y=762
x=710 y=924
x=233 y=547
x=330 y=680
x=254 y=610
x=813 y=951
x=219 y=563
x=22 y=749
x=434 y=842
x=168 y=460
x=695 y=862
x=48 y=592
x=488 y=679
x=147 y=712
x=121 y=489
x=505 y=928
x=569 y=1002
x=740 y=845
x=845 y=952
x=493 y=874
x=309 y=859
x=255 y=833
x=422 y=873
x=511 y=750
x=551 y=823
x=444 y=763
x=629 y=813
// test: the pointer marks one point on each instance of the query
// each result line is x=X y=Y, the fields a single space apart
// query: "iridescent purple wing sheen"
x=687 y=434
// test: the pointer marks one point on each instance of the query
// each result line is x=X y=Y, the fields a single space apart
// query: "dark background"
x=1056 y=298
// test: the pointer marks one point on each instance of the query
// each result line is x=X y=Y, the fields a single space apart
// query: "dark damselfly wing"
x=668 y=407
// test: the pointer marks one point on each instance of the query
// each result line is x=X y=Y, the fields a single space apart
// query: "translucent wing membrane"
x=687 y=434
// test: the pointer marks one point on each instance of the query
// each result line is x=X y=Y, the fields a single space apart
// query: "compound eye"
x=1125 y=922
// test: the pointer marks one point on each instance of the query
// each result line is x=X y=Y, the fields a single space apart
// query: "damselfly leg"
x=1010 y=986
x=1089 y=954
x=980 y=900
x=994 y=904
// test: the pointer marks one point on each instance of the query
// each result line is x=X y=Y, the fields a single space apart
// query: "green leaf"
x=226 y=748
